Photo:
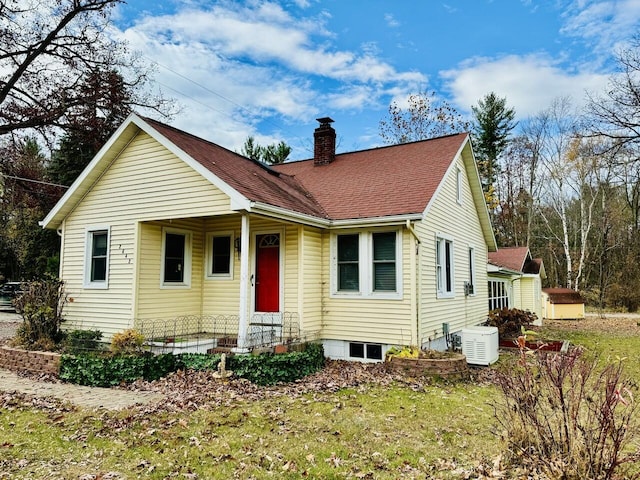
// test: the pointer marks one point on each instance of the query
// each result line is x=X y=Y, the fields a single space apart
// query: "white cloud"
x=391 y=21
x=530 y=83
x=234 y=66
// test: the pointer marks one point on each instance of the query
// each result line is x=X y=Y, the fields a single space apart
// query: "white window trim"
x=209 y=256
x=87 y=283
x=365 y=266
x=188 y=248
x=440 y=293
x=459 y=185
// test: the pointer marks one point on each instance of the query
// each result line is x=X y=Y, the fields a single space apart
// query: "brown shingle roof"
x=513 y=258
x=385 y=181
x=563 y=295
x=255 y=181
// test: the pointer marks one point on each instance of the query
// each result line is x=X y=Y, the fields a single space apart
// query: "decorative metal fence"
x=212 y=333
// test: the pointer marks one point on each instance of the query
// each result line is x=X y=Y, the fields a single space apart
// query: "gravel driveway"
x=8 y=324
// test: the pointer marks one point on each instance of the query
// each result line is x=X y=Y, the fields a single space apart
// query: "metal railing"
x=208 y=333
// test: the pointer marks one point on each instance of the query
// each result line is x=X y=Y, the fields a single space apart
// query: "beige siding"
x=368 y=319
x=155 y=301
x=145 y=182
x=222 y=296
x=516 y=294
x=460 y=222
x=311 y=262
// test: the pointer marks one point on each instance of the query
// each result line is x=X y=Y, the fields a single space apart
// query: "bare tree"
x=425 y=116
x=49 y=50
x=616 y=114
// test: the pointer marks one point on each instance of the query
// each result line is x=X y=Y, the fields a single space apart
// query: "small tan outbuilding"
x=562 y=304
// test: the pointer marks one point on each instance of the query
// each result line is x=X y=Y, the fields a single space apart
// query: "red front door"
x=268 y=273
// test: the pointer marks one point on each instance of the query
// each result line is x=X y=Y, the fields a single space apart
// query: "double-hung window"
x=444 y=267
x=219 y=255
x=349 y=263
x=96 y=272
x=384 y=262
x=366 y=264
x=470 y=285
x=176 y=258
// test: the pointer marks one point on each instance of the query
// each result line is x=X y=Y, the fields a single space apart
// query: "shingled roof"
x=513 y=258
x=378 y=183
x=564 y=296
x=385 y=181
x=256 y=181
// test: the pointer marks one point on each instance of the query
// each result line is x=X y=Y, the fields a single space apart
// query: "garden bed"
x=449 y=365
x=543 y=345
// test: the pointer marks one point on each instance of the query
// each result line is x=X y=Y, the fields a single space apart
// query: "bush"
x=510 y=321
x=40 y=306
x=129 y=342
x=266 y=369
x=564 y=418
x=107 y=371
x=78 y=341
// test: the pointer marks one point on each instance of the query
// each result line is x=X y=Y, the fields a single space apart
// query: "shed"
x=562 y=304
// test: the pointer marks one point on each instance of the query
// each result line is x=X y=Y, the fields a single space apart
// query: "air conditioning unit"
x=480 y=345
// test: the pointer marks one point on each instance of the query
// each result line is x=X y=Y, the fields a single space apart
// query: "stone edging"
x=17 y=360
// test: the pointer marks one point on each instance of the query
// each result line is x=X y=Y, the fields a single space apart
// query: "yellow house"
x=166 y=232
x=515 y=280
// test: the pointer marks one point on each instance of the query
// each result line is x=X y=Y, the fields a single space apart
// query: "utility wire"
x=13 y=177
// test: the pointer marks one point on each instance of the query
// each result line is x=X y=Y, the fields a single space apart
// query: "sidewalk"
x=86 y=397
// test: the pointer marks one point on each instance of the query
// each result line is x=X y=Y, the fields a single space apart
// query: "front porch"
x=221 y=333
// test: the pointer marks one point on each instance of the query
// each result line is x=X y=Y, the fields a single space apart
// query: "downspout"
x=415 y=287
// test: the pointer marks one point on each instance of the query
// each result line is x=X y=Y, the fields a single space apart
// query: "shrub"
x=510 y=321
x=107 y=371
x=40 y=306
x=266 y=369
x=565 y=418
x=78 y=341
x=129 y=342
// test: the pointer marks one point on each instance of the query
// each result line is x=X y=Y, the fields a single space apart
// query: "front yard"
x=349 y=421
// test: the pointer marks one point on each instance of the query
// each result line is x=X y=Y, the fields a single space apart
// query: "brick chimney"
x=324 y=142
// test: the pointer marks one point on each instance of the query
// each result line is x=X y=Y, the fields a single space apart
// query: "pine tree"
x=490 y=134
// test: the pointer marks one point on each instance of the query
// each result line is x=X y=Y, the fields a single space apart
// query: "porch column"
x=243 y=323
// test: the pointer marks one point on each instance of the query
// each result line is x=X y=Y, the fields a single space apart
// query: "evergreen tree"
x=490 y=133
x=271 y=154
x=89 y=126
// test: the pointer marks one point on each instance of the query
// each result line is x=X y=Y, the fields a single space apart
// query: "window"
x=459 y=186
x=444 y=267
x=219 y=255
x=384 y=262
x=470 y=285
x=176 y=258
x=498 y=295
x=372 y=351
x=366 y=264
x=96 y=273
x=348 y=263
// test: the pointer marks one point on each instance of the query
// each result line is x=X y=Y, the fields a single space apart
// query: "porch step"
x=213 y=351
x=227 y=342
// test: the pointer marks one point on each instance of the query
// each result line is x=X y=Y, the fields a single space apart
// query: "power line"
x=42 y=182
x=207 y=89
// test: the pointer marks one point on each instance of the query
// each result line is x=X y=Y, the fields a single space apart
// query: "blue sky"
x=270 y=68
